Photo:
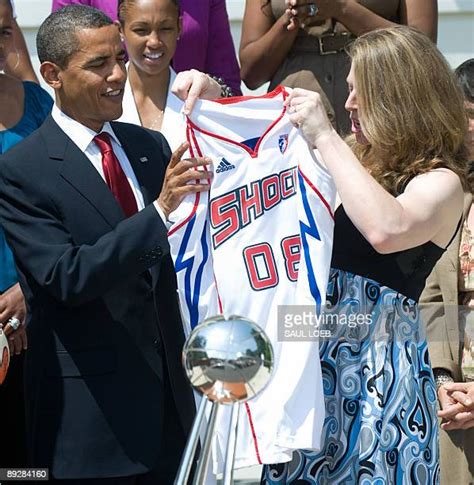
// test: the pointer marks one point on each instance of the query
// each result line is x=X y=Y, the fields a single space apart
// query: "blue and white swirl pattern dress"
x=381 y=425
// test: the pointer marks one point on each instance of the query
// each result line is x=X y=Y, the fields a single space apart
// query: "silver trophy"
x=228 y=361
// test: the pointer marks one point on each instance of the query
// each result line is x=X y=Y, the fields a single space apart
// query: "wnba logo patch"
x=283 y=143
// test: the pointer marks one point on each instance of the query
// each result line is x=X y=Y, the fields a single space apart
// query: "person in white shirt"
x=150 y=30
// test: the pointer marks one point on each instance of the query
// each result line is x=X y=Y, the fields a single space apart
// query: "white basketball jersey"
x=261 y=237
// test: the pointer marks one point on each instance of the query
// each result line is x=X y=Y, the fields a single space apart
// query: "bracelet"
x=226 y=91
x=442 y=376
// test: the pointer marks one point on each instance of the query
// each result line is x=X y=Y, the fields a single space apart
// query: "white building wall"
x=455 y=33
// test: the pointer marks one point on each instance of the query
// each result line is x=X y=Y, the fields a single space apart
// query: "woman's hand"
x=300 y=13
x=307 y=111
x=193 y=84
x=303 y=11
x=460 y=413
x=468 y=300
x=12 y=306
x=17 y=341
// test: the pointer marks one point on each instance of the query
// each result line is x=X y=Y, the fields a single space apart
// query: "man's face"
x=92 y=83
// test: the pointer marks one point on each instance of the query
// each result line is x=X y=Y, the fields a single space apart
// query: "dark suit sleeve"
x=43 y=246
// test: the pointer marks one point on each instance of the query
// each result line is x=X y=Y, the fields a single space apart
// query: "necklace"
x=156 y=120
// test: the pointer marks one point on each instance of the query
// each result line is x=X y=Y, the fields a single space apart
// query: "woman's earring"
x=15 y=67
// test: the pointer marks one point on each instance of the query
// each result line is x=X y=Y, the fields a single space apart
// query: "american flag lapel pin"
x=143 y=159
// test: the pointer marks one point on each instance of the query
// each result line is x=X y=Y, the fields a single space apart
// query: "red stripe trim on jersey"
x=219 y=301
x=196 y=144
x=237 y=99
x=252 y=429
x=188 y=139
x=252 y=153
x=318 y=193
x=198 y=149
x=181 y=224
x=176 y=227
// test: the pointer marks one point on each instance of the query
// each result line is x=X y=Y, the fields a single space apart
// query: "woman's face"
x=6 y=32
x=151 y=29
x=353 y=108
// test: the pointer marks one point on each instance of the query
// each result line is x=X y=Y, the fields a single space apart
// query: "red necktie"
x=115 y=176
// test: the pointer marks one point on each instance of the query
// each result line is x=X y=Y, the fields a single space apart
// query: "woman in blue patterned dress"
x=400 y=180
x=23 y=108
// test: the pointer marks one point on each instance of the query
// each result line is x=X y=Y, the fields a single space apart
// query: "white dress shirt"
x=83 y=138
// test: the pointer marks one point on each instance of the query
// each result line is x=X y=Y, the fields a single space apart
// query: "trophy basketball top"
x=228 y=359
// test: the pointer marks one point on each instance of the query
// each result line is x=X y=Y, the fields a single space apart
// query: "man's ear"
x=51 y=73
x=119 y=25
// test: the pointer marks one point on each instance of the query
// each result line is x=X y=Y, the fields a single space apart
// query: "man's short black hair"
x=465 y=76
x=57 y=41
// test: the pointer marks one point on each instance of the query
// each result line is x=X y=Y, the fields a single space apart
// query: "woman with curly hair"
x=400 y=181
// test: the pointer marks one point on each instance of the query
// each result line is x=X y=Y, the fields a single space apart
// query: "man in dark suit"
x=84 y=204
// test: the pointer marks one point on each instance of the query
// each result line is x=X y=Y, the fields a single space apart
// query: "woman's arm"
x=393 y=224
x=265 y=43
x=388 y=223
x=422 y=14
x=221 y=60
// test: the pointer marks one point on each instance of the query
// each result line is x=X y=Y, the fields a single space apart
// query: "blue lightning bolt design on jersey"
x=311 y=230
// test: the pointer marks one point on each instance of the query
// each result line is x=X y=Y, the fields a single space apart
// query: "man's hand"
x=191 y=85
x=12 y=306
x=179 y=177
x=458 y=411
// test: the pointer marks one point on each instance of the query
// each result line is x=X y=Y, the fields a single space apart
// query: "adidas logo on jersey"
x=224 y=166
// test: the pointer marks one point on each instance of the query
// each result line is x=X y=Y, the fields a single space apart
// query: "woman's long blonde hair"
x=411 y=107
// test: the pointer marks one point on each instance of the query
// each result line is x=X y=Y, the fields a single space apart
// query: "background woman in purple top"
x=205 y=42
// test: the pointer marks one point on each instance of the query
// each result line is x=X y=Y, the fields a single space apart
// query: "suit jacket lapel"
x=77 y=169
